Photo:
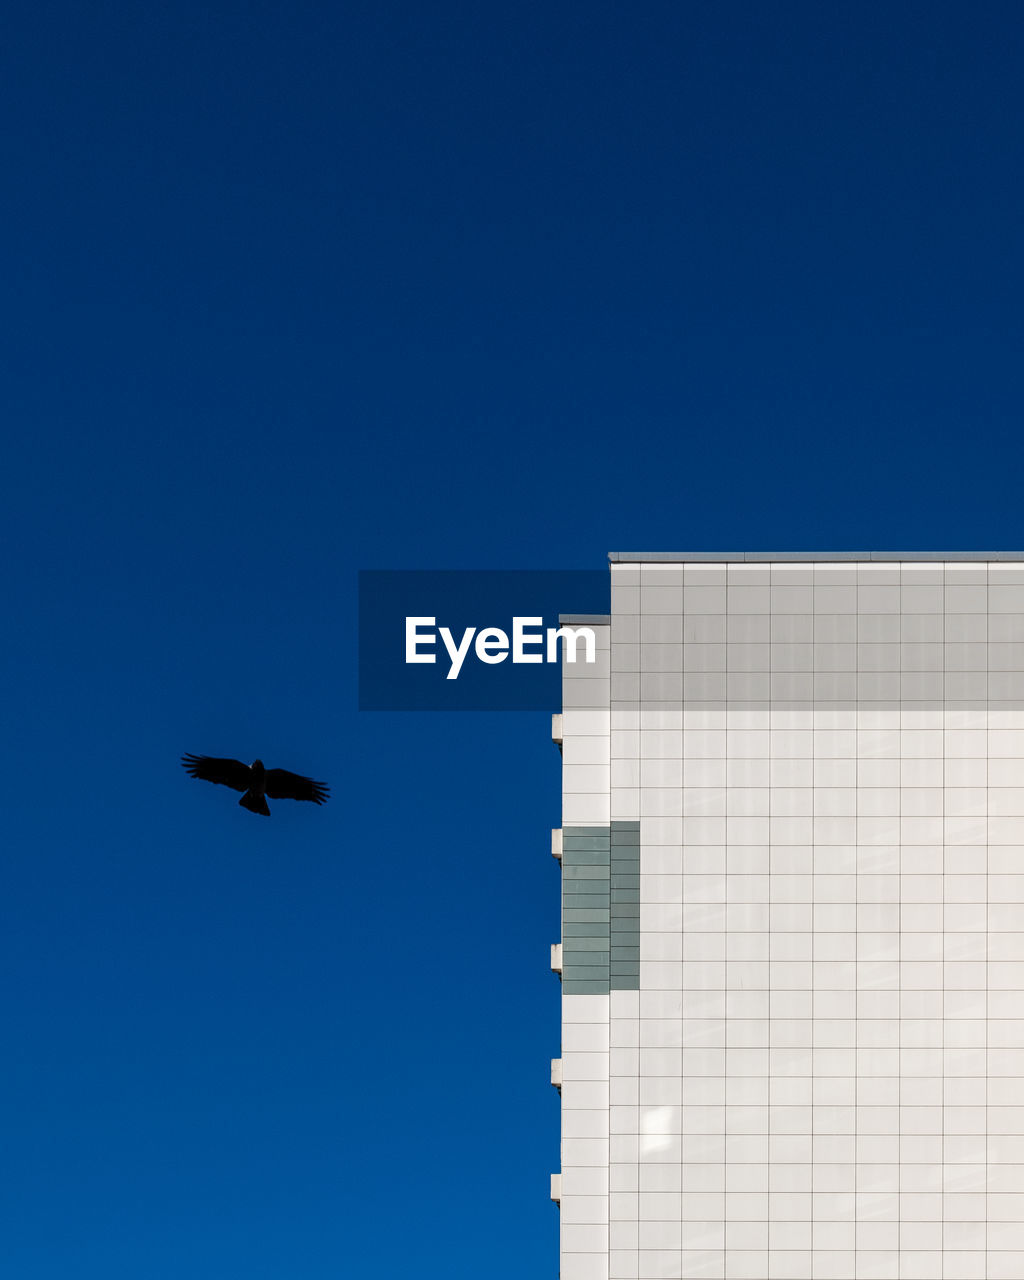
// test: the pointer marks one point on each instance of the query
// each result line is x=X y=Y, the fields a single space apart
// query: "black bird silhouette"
x=255 y=781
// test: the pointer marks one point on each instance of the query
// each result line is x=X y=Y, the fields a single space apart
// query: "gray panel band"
x=601 y=909
x=625 y=906
x=586 y=910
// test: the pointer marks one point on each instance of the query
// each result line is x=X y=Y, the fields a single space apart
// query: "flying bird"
x=257 y=782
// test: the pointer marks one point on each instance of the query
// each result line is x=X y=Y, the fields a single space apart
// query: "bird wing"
x=282 y=785
x=229 y=773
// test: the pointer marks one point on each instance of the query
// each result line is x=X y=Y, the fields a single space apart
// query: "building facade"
x=792 y=953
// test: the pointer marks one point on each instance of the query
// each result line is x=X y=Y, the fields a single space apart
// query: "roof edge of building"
x=804 y=557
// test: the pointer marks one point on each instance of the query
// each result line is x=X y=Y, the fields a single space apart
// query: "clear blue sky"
x=292 y=290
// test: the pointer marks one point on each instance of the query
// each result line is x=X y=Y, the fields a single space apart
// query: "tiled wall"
x=821 y=1076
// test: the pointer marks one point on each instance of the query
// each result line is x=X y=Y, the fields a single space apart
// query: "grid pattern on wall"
x=820 y=1074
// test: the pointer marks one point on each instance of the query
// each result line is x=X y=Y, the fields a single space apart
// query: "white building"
x=792 y=948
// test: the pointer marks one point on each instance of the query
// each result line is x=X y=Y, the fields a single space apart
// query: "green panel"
x=577 y=929
x=624 y=925
x=584 y=858
x=601 y=909
x=594 y=838
x=586 y=910
x=586 y=902
x=586 y=944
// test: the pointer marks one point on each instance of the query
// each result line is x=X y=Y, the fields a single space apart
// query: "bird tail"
x=255 y=804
